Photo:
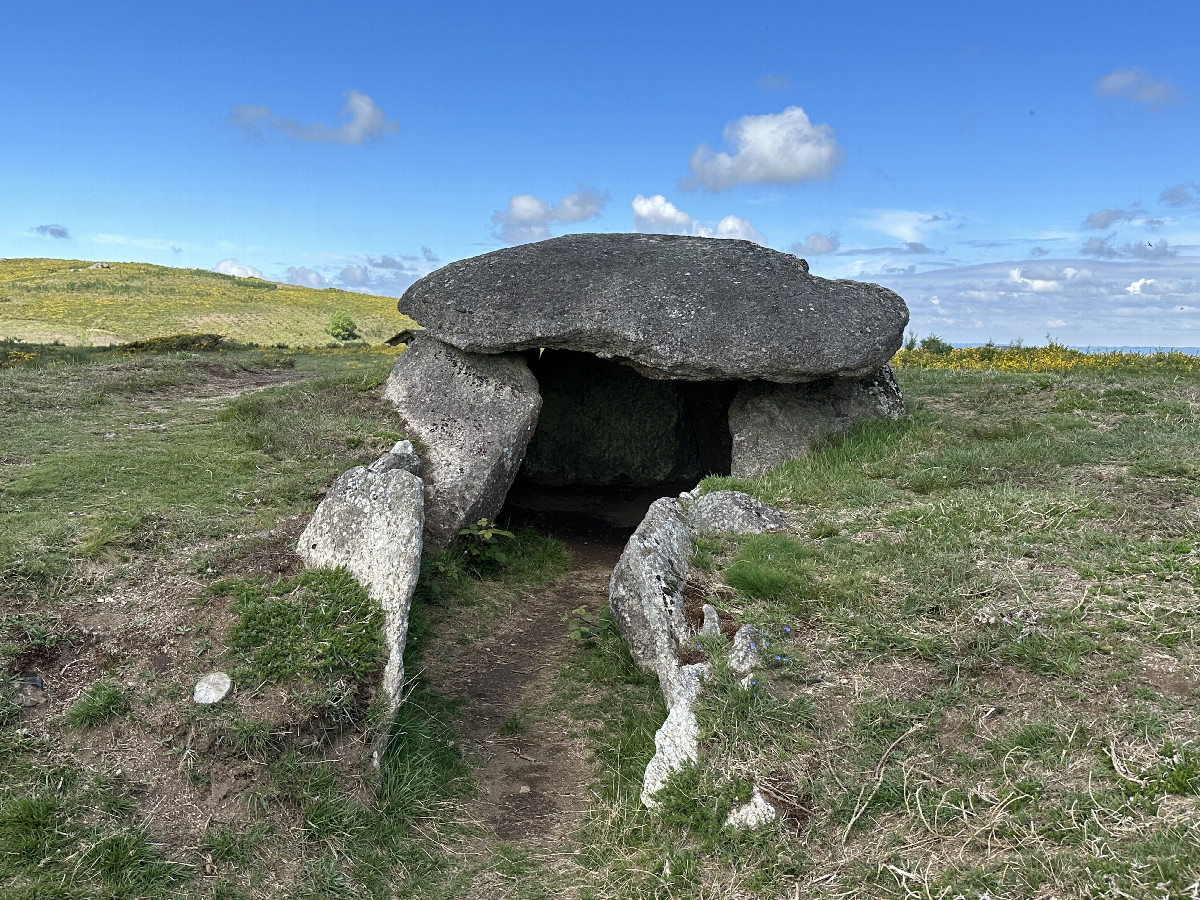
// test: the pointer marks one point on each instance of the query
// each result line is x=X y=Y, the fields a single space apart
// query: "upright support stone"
x=772 y=423
x=475 y=415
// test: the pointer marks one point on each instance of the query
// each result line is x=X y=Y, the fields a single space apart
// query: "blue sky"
x=1013 y=170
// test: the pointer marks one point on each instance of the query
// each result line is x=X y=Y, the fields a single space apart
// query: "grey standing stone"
x=212 y=688
x=773 y=423
x=676 y=741
x=646 y=588
x=673 y=307
x=733 y=512
x=371 y=523
x=475 y=416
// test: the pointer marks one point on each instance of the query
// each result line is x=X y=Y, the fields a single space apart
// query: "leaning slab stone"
x=723 y=512
x=673 y=307
x=475 y=415
x=645 y=591
x=773 y=423
x=371 y=523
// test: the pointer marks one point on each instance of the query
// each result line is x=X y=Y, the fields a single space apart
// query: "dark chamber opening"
x=610 y=441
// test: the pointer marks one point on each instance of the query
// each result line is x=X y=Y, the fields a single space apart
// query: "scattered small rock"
x=212 y=688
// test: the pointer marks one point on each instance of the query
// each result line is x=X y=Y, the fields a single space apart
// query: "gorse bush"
x=342 y=327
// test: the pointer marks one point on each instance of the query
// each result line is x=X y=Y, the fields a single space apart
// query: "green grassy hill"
x=47 y=300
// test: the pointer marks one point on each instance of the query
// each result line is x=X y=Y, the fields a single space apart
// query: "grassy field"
x=47 y=300
x=985 y=621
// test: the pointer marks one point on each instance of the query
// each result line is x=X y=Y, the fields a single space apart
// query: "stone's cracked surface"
x=673 y=307
x=773 y=423
x=733 y=512
x=475 y=416
x=371 y=523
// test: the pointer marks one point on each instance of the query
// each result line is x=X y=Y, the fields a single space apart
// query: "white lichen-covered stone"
x=371 y=523
x=212 y=688
x=733 y=512
x=675 y=743
x=755 y=813
x=712 y=620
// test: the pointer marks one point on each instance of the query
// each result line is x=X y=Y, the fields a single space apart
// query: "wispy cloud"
x=1105 y=248
x=910 y=248
x=388 y=275
x=910 y=226
x=142 y=243
x=365 y=121
x=658 y=215
x=54 y=231
x=783 y=148
x=233 y=267
x=1106 y=218
x=1186 y=193
x=773 y=83
x=1139 y=86
x=527 y=218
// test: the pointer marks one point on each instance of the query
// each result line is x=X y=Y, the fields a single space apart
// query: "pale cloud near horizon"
x=305 y=277
x=658 y=215
x=233 y=267
x=816 y=244
x=365 y=121
x=1099 y=302
x=780 y=148
x=1139 y=86
x=527 y=218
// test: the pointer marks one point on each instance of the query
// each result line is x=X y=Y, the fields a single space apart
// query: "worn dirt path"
x=533 y=774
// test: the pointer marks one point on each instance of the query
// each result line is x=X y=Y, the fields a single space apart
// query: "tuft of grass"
x=101 y=702
x=318 y=625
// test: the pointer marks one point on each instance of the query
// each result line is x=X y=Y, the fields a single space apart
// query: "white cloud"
x=731 y=227
x=816 y=244
x=366 y=121
x=783 y=148
x=908 y=225
x=121 y=240
x=1136 y=287
x=527 y=218
x=658 y=215
x=1138 y=86
x=233 y=267
x=306 y=277
x=1056 y=323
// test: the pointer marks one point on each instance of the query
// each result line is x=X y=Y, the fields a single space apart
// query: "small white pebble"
x=212 y=688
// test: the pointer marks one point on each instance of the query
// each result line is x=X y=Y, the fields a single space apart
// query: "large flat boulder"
x=475 y=415
x=673 y=307
x=773 y=423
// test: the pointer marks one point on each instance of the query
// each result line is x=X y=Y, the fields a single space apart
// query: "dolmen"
x=631 y=359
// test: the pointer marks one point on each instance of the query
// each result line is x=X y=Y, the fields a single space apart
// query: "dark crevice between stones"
x=609 y=442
